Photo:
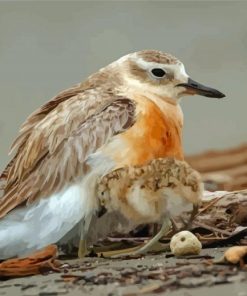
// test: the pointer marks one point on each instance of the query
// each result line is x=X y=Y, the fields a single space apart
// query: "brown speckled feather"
x=33 y=119
x=56 y=140
x=119 y=189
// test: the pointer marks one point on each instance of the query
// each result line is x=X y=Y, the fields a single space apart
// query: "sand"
x=157 y=274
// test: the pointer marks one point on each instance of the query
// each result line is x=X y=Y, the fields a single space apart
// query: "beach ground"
x=157 y=274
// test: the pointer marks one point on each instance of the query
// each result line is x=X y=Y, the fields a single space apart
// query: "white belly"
x=35 y=226
x=30 y=228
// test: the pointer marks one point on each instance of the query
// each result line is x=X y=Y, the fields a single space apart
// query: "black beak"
x=193 y=87
x=102 y=210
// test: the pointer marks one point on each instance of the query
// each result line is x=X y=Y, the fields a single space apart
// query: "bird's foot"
x=138 y=250
x=109 y=248
x=152 y=245
x=117 y=253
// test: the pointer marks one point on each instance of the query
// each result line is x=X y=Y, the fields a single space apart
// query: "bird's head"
x=160 y=74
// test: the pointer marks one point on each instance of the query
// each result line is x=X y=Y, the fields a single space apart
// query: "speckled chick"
x=145 y=194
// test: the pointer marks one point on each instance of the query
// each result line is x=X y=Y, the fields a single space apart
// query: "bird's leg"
x=194 y=212
x=108 y=248
x=175 y=228
x=152 y=245
x=82 y=250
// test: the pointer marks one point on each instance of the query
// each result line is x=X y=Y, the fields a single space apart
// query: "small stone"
x=185 y=243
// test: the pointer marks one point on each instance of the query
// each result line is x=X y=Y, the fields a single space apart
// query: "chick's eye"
x=157 y=72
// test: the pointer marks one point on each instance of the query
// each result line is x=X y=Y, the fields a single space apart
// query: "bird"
x=126 y=114
x=155 y=192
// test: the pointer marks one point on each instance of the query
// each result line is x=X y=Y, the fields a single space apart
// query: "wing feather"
x=52 y=152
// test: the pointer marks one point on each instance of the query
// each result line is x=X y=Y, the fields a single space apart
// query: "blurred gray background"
x=46 y=47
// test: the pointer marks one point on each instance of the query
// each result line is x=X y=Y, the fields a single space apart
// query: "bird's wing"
x=28 y=126
x=56 y=140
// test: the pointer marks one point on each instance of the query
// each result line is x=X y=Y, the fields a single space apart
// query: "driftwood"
x=222 y=218
x=223 y=169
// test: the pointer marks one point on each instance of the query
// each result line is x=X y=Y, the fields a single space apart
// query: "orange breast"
x=155 y=134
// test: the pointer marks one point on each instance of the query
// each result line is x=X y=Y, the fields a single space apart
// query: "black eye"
x=157 y=72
